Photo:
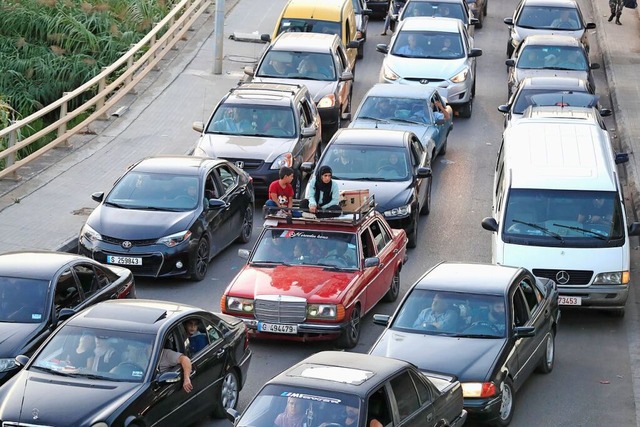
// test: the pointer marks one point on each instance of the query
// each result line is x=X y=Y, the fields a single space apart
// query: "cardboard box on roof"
x=352 y=200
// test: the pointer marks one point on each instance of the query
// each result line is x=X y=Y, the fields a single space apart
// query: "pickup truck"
x=339 y=389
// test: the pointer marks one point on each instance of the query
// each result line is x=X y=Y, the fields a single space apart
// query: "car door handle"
x=219 y=354
x=429 y=417
x=395 y=251
x=381 y=265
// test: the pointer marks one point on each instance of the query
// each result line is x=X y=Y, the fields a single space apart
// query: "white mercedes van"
x=558 y=210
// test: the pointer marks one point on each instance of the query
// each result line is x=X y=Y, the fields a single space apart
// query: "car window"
x=368 y=247
x=424 y=393
x=417 y=152
x=378 y=407
x=342 y=61
x=299 y=25
x=531 y=293
x=23 y=300
x=405 y=395
x=67 y=294
x=175 y=341
x=381 y=236
x=520 y=309
x=228 y=178
x=305 y=116
x=437 y=9
x=197 y=331
x=92 y=279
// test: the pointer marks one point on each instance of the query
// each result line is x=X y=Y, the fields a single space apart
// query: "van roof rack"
x=274 y=216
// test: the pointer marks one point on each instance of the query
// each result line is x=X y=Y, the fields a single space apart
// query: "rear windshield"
x=434 y=8
x=527 y=97
x=298 y=25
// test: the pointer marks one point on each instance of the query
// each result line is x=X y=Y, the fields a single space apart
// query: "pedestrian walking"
x=616 y=10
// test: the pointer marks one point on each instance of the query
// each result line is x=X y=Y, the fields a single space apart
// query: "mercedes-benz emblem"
x=36 y=413
x=424 y=81
x=240 y=164
x=562 y=277
x=127 y=244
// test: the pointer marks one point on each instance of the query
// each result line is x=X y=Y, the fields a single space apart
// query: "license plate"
x=123 y=260
x=569 y=300
x=277 y=328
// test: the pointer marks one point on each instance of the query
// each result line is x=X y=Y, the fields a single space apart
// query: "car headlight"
x=612 y=278
x=285 y=159
x=487 y=389
x=388 y=74
x=327 y=101
x=240 y=305
x=461 y=76
x=175 y=239
x=90 y=234
x=100 y=424
x=7 y=364
x=399 y=211
x=322 y=311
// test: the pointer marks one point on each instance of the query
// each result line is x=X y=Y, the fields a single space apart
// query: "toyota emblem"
x=127 y=244
x=424 y=81
x=240 y=164
x=562 y=277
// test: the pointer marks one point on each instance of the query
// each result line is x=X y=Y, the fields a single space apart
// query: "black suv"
x=261 y=127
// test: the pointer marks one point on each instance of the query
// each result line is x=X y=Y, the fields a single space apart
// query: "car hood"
x=421 y=68
x=389 y=194
x=470 y=359
x=317 y=88
x=33 y=395
x=314 y=284
x=521 y=73
x=245 y=147
x=13 y=337
x=133 y=224
x=520 y=33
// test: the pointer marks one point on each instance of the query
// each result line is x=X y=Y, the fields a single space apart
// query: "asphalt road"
x=591 y=384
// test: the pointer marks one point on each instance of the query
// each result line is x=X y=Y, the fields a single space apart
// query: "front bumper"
x=483 y=410
x=306 y=331
x=405 y=223
x=157 y=260
x=456 y=93
x=597 y=296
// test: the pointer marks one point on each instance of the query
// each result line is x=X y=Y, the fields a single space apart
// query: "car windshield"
x=307 y=247
x=368 y=162
x=551 y=18
x=564 y=217
x=155 y=191
x=552 y=57
x=297 y=65
x=97 y=354
x=395 y=109
x=432 y=312
x=253 y=120
x=299 y=25
x=435 y=8
x=278 y=405
x=428 y=44
x=23 y=300
x=549 y=97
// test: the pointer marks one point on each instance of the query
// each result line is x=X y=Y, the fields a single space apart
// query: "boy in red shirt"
x=281 y=191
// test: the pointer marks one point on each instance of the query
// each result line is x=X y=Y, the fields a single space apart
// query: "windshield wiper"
x=115 y=205
x=53 y=371
x=373 y=118
x=594 y=233
x=264 y=263
x=395 y=119
x=539 y=227
x=333 y=267
x=476 y=336
x=368 y=178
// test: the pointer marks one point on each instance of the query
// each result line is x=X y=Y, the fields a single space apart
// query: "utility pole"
x=219 y=37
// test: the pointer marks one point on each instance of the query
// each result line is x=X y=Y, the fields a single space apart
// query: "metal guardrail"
x=108 y=91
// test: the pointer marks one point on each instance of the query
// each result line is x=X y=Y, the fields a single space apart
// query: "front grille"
x=115 y=241
x=280 y=309
x=248 y=164
x=417 y=79
x=576 y=277
x=17 y=424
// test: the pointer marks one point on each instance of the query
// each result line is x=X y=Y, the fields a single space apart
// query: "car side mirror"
x=308 y=132
x=97 y=197
x=373 y=261
x=381 y=319
x=474 y=21
x=590 y=26
x=634 y=229
x=524 y=332
x=621 y=158
x=217 y=204
x=354 y=44
x=307 y=167
x=594 y=66
x=21 y=360
x=423 y=172
x=249 y=71
x=382 y=48
x=346 y=76
x=197 y=126
x=490 y=224
x=169 y=378
x=243 y=253
x=265 y=37
x=440 y=122
x=65 y=313
x=504 y=109
x=367 y=12
x=508 y=21
x=510 y=62
x=605 y=112
x=475 y=52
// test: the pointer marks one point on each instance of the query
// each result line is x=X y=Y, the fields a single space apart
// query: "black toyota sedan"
x=113 y=365
x=38 y=290
x=489 y=325
x=392 y=164
x=169 y=215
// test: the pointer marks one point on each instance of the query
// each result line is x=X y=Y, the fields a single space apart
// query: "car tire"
x=426 y=208
x=247 y=225
x=466 y=109
x=394 y=288
x=507 y=403
x=509 y=49
x=392 y=24
x=617 y=312
x=480 y=20
x=228 y=395
x=413 y=237
x=484 y=9
x=200 y=260
x=351 y=334
x=360 y=53
x=548 y=357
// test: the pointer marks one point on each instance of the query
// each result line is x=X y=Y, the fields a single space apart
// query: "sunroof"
x=333 y=373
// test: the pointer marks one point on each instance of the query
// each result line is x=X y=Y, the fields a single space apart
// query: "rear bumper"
x=596 y=296
x=483 y=410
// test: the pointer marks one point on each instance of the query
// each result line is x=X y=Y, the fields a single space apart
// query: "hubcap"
x=229 y=392
x=550 y=350
x=203 y=257
x=507 y=401
x=246 y=224
x=395 y=285
x=354 y=324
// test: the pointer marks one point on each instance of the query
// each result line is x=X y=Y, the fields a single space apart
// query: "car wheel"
x=351 y=333
x=484 y=9
x=413 y=237
x=360 y=53
x=466 y=109
x=617 y=312
x=394 y=288
x=297 y=184
x=426 y=208
x=548 y=358
x=200 y=260
x=228 y=397
x=480 y=20
x=392 y=24
x=507 y=403
x=509 y=49
x=247 y=225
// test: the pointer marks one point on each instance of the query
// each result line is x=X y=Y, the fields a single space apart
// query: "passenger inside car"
x=440 y=316
x=294 y=414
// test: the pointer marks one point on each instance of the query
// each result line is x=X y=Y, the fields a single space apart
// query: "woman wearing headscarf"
x=322 y=194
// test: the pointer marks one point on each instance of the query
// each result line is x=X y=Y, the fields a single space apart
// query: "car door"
x=344 y=87
x=383 y=242
x=215 y=220
x=522 y=347
x=420 y=158
x=409 y=409
x=67 y=292
x=440 y=136
x=308 y=145
x=540 y=318
x=95 y=283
